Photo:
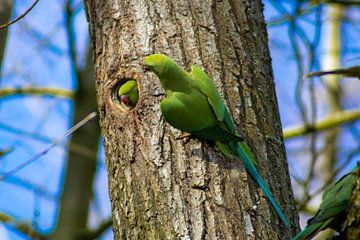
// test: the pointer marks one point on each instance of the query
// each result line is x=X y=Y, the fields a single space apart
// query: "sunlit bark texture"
x=5 y=14
x=166 y=187
x=353 y=218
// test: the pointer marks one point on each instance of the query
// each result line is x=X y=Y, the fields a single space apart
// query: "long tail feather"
x=243 y=152
x=307 y=232
x=250 y=167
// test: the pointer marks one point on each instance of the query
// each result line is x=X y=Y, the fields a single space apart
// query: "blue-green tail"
x=308 y=232
x=250 y=167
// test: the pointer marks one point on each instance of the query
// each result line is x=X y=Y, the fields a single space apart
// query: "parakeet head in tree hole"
x=128 y=94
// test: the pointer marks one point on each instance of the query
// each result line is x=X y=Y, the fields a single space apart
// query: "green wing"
x=217 y=133
x=203 y=83
x=332 y=208
x=207 y=86
x=178 y=109
x=197 y=108
x=335 y=198
x=312 y=230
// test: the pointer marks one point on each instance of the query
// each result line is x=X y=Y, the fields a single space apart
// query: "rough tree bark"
x=5 y=15
x=352 y=230
x=163 y=187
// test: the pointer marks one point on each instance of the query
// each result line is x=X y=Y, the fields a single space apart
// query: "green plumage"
x=194 y=105
x=332 y=210
x=128 y=93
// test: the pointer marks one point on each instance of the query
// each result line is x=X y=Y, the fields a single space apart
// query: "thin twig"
x=22 y=227
x=95 y=233
x=88 y=118
x=19 y=17
x=74 y=147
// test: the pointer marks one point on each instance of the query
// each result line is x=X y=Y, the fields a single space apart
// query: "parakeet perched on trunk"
x=332 y=211
x=194 y=105
x=128 y=94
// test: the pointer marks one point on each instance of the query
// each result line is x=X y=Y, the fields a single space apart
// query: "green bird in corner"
x=194 y=105
x=332 y=211
x=128 y=94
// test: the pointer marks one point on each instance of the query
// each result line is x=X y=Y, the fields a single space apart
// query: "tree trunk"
x=5 y=15
x=165 y=187
x=352 y=230
x=80 y=170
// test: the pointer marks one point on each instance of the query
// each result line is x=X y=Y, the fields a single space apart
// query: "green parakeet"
x=332 y=210
x=128 y=94
x=194 y=105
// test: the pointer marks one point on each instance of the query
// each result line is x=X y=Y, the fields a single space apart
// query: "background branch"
x=22 y=227
x=19 y=17
x=334 y=120
x=51 y=92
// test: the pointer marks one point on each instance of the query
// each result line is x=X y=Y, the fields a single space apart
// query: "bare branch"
x=19 y=17
x=348 y=72
x=88 y=118
x=22 y=227
x=94 y=234
x=74 y=147
x=30 y=186
x=71 y=37
x=340 y=2
x=328 y=122
x=52 y=92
